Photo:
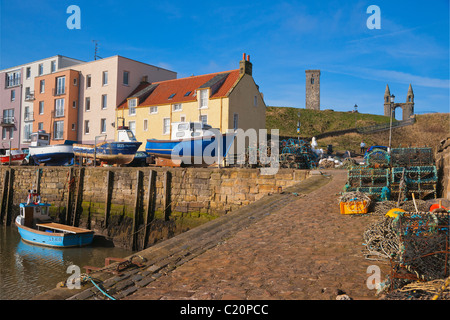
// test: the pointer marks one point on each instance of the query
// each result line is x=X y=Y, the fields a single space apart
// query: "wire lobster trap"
x=418 y=180
x=377 y=158
x=424 y=248
x=403 y=157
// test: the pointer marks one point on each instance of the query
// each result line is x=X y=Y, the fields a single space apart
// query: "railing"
x=59 y=91
x=386 y=126
x=7 y=121
x=29 y=96
x=28 y=116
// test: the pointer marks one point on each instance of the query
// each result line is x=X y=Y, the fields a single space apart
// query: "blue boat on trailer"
x=192 y=143
x=116 y=152
x=35 y=226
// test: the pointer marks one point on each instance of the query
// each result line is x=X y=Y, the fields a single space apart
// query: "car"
x=141 y=159
x=384 y=148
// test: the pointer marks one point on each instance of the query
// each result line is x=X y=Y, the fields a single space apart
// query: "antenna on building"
x=96 y=50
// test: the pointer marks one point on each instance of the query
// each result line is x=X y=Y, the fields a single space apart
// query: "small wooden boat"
x=117 y=152
x=15 y=157
x=36 y=226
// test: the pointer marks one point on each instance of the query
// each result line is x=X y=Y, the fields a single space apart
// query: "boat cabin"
x=124 y=134
x=188 y=130
x=40 y=139
x=33 y=211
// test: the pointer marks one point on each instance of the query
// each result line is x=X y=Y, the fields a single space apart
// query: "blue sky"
x=283 y=39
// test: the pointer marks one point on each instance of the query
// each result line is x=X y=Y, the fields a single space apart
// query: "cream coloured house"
x=225 y=100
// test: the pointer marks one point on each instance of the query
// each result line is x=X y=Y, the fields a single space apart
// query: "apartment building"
x=17 y=89
x=103 y=85
x=56 y=105
x=225 y=100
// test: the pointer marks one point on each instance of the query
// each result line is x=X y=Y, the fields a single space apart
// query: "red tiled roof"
x=180 y=87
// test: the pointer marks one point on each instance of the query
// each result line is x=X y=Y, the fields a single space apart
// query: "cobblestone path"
x=305 y=250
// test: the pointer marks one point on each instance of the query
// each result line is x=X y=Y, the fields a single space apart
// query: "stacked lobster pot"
x=413 y=172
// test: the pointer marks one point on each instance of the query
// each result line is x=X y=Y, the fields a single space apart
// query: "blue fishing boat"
x=116 y=152
x=192 y=143
x=41 y=152
x=35 y=226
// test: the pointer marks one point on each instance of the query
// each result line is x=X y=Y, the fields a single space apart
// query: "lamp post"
x=390 y=127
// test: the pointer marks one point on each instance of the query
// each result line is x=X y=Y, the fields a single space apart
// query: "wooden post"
x=150 y=207
x=9 y=197
x=166 y=203
x=109 y=182
x=136 y=209
x=78 y=195
x=4 y=193
x=38 y=181
x=69 y=195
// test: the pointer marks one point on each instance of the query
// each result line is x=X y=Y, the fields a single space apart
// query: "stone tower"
x=407 y=107
x=313 y=89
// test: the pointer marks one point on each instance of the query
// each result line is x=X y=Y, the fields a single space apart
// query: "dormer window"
x=172 y=95
x=203 y=101
x=132 y=103
x=187 y=93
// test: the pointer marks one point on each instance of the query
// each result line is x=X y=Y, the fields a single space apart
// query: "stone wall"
x=443 y=167
x=114 y=201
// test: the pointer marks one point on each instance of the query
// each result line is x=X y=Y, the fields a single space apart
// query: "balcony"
x=29 y=96
x=28 y=116
x=59 y=91
x=7 y=121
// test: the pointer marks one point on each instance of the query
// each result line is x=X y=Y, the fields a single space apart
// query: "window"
x=53 y=66
x=105 y=78
x=204 y=99
x=40 y=126
x=166 y=126
x=28 y=129
x=13 y=79
x=104 y=101
x=87 y=105
x=8 y=116
x=182 y=118
x=28 y=72
x=59 y=108
x=203 y=119
x=74 y=104
x=28 y=116
x=41 y=69
x=41 y=107
x=86 y=126
x=88 y=81
x=132 y=126
x=255 y=101
x=4 y=133
x=312 y=80
x=11 y=133
x=236 y=121
x=42 y=86
x=126 y=76
x=74 y=127
x=13 y=95
x=145 y=125
x=75 y=81
x=102 y=125
x=132 y=107
x=153 y=110
x=172 y=95
x=187 y=93
x=59 y=130
x=176 y=107
x=60 y=86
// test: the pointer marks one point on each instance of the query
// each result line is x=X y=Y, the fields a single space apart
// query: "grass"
x=428 y=130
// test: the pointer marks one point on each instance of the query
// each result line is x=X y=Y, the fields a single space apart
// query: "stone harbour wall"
x=122 y=205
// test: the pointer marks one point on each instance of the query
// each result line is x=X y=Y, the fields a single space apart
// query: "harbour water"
x=27 y=270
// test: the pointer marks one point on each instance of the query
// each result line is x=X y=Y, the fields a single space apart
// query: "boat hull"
x=109 y=152
x=52 y=155
x=58 y=240
x=191 y=151
x=15 y=159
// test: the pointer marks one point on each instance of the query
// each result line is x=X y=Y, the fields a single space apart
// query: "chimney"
x=245 y=66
